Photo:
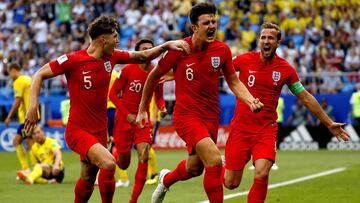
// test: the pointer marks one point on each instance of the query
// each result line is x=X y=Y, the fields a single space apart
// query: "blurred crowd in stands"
x=321 y=37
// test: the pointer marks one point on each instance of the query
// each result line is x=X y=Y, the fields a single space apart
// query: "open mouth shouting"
x=211 y=34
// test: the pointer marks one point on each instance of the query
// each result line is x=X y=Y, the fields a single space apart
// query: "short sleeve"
x=61 y=64
x=121 y=57
x=293 y=77
x=228 y=68
x=239 y=61
x=54 y=145
x=18 y=88
x=168 y=60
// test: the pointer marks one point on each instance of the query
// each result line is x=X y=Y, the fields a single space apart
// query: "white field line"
x=296 y=180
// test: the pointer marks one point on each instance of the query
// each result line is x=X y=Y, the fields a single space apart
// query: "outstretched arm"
x=311 y=103
x=241 y=92
x=149 y=54
x=31 y=117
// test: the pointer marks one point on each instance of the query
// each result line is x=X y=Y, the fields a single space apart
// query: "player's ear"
x=193 y=27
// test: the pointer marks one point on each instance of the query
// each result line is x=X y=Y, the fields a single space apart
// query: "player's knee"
x=144 y=158
x=109 y=164
x=123 y=163
x=144 y=155
x=214 y=160
x=262 y=174
x=231 y=185
x=89 y=177
x=195 y=171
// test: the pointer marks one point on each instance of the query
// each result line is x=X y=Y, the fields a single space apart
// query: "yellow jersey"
x=45 y=153
x=21 y=88
x=114 y=75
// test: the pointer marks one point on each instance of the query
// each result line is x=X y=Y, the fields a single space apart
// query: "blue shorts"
x=21 y=131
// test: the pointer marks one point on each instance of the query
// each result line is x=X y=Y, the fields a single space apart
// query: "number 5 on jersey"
x=87 y=82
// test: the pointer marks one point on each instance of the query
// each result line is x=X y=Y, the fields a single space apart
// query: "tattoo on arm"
x=138 y=56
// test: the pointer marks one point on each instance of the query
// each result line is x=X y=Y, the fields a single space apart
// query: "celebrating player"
x=264 y=74
x=196 y=114
x=126 y=95
x=88 y=74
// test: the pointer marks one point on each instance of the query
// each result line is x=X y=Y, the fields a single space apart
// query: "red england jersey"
x=197 y=78
x=88 y=83
x=264 y=81
x=130 y=84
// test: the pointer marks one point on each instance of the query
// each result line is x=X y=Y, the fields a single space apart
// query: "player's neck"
x=198 y=44
x=145 y=66
x=16 y=76
x=267 y=60
x=95 y=51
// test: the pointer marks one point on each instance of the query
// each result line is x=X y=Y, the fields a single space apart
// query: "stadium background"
x=322 y=41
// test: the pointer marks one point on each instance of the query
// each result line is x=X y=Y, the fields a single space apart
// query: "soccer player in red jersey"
x=196 y=113
x=88 y=74
x=129 y=86
x=264 y=74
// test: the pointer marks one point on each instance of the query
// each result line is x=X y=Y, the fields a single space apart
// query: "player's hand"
x=178 y=45
x=31 y=120
x=55 y=170
x=256 y=105
x=131 y=119
x=339 y=132
x=142 y=119
x=163 y=112
x=7 y=122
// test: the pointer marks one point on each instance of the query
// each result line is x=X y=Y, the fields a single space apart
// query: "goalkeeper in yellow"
x=46 y=154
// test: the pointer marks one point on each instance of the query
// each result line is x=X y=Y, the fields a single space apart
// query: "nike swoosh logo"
x=86 y=72
x=188 y=65
x=252 y=71
x=136 y=80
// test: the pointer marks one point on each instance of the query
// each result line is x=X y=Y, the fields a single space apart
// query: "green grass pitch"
x=342 y=187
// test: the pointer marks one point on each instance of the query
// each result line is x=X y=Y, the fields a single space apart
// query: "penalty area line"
x=288 y=182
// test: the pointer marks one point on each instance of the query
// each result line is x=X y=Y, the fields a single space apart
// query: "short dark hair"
x=268 y=25
x=14 y=65
x=200 y=9
x=143 y=41
x=103 y=25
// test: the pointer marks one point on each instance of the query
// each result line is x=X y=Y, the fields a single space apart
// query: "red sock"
x=179 y=173
x=83 y=191
x=223 y=169
x=140 y=178
x=213 y=184
x=258 y=191
x=106 y=185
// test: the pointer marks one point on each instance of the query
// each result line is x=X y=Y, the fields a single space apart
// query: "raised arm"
x=149 y=54
x=311 y=103
x=242 y=93
x=31 y=117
